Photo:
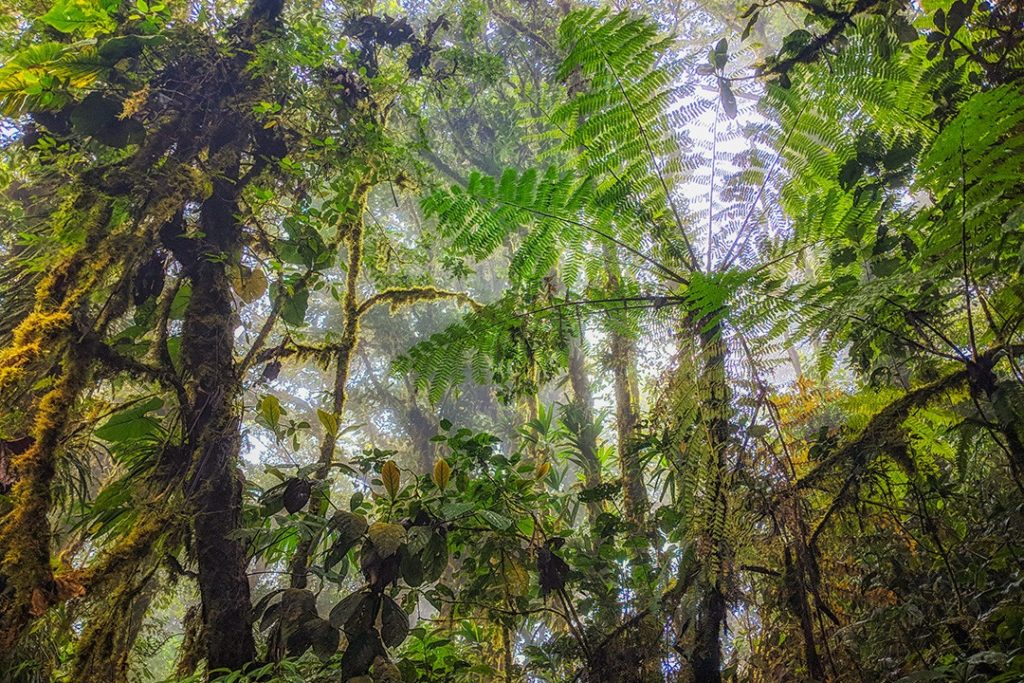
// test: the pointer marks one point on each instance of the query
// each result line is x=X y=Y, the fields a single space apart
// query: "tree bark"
x=608 y=610
x=214 y=436
x=707 y=653
x=584 y=400
x=707 y=656
x=623 y=356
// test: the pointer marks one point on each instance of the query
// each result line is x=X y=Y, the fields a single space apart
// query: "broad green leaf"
x=293 y=308
x=329 y=421
x=270 y=411
x=394 y=623
x=131 y=424
x=350 y=526
x=87 y=17
x=497 y=521
x=386 y=538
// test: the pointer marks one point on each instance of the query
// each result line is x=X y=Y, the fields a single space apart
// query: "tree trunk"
x=608 y=610
x=214 y=437
x=707 y=653
x=103 y=653
x=707 y=656
x=623 y=356
x=807 y=582
x=421 y=428
x=588 y=434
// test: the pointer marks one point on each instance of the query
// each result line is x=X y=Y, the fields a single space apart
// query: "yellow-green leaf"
x=329 y=421
x=84 y=16
x=442 y=473
x=249 y=283
x=517 y=580
x=386 y=538
x=391 y=477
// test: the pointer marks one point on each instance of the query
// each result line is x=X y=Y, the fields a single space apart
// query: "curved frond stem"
x=963 y=249
x=694 y=261
x=711 y=187
x=742 y=235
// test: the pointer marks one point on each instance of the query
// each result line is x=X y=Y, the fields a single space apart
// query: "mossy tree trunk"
x=715 y=411
x=213 y=437
x=210 y=123
x=608 y=609
x=584 y=400
x=621 y=362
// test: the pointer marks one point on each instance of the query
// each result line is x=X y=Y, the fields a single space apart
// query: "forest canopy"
x=452 y=341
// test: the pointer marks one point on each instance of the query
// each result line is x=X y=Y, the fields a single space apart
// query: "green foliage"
x=616 y=121
x=486 y=214
x=37 y=78
x=623 y=163
x=753 y=332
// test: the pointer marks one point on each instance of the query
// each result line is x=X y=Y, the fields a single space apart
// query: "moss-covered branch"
x=883 y=430
x=401 y=297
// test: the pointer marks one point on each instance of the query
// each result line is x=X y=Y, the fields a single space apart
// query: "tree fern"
x=861 y=142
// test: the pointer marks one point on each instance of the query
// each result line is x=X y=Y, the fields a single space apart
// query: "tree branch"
x=400 y=297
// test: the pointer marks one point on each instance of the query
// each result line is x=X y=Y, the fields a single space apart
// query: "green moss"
x=35 y=336
x=25 y=530
x=105 y=646
x=119 y=585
